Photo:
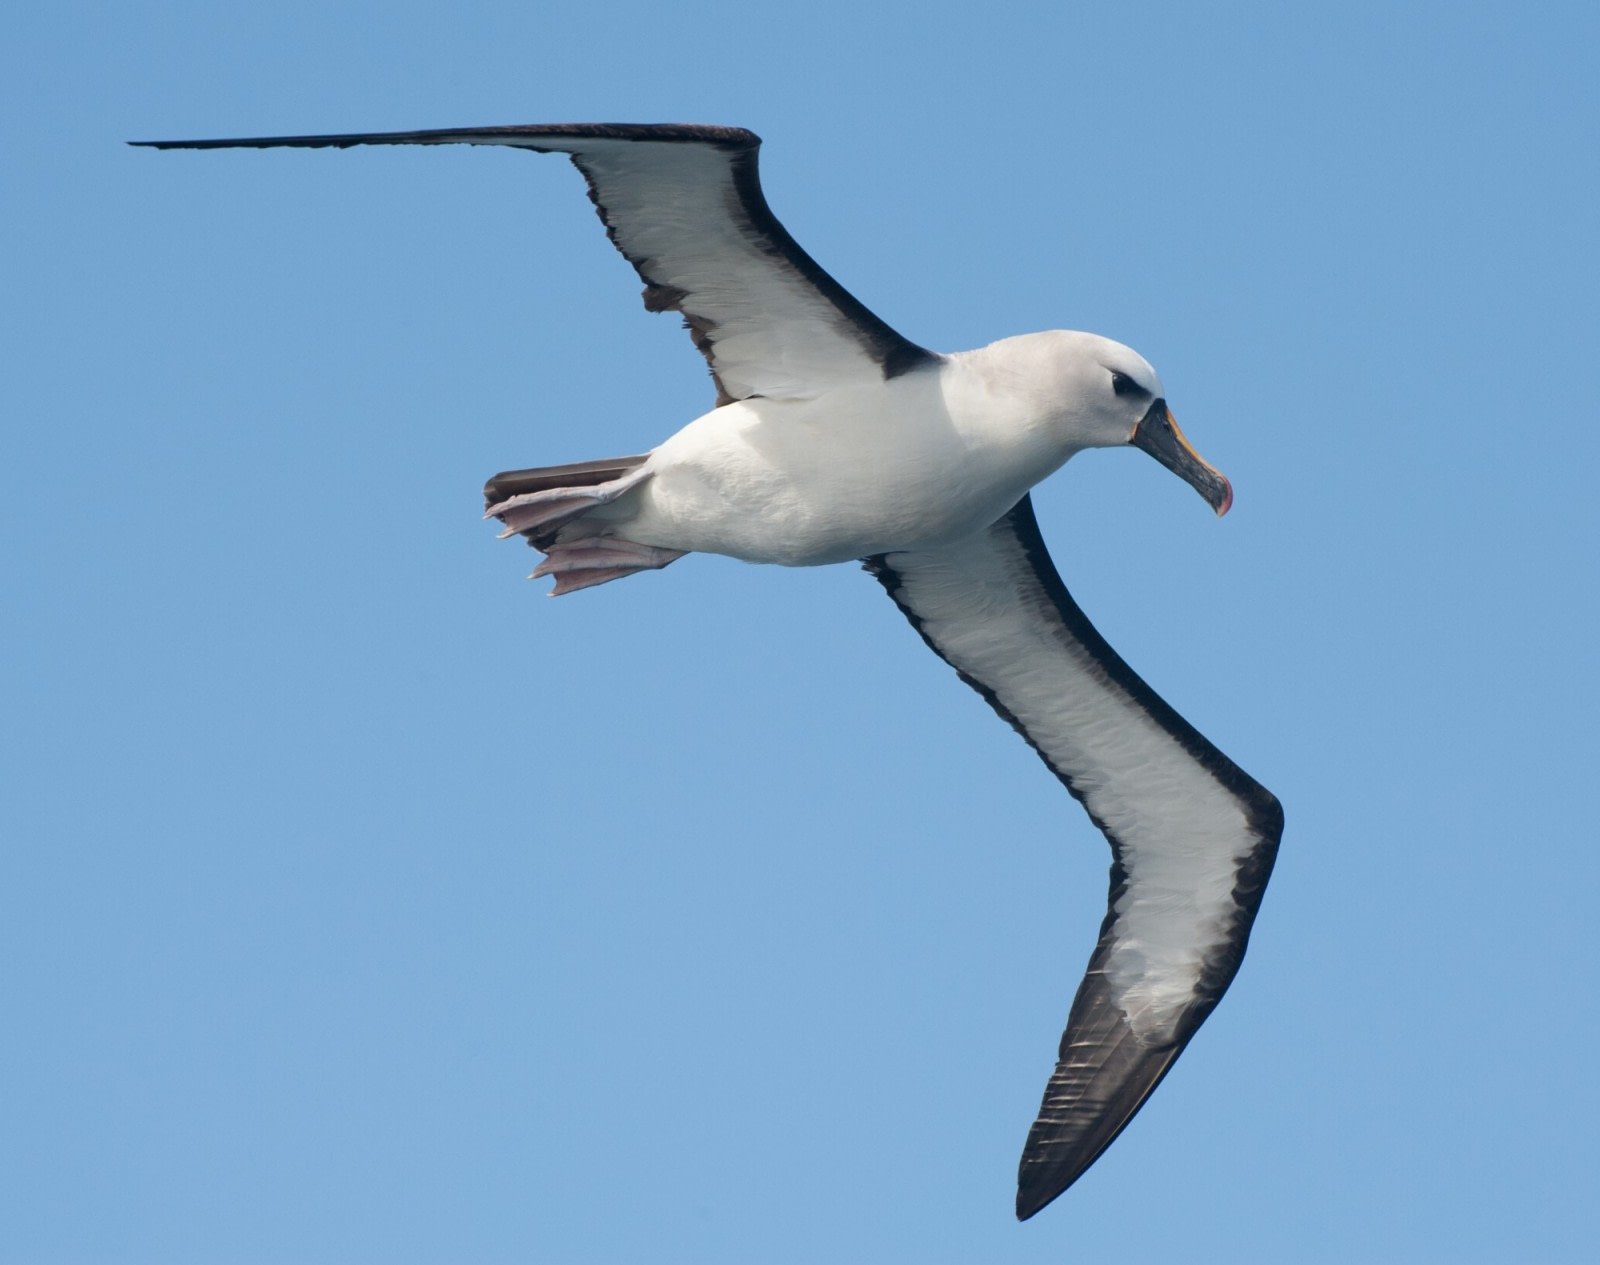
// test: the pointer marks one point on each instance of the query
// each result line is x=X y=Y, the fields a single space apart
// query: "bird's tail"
x=538 y=504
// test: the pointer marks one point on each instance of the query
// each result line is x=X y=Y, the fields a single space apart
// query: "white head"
x=1092 y=392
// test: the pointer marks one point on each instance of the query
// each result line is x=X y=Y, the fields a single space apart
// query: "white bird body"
x=874 y=467
x=835 y=438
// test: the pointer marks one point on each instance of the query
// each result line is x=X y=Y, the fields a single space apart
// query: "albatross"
x=834 y=438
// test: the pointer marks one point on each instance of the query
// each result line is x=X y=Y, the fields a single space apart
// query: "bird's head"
x=1105 y=395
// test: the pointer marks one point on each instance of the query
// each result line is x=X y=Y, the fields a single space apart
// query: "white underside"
x=915 y=462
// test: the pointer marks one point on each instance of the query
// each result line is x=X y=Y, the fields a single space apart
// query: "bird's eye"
x=1122 y=384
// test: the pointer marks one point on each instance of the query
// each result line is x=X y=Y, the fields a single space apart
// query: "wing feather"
x=683 y=203
x=1192 y=835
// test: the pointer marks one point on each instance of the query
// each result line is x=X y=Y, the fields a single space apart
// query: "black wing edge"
x=894 y=353
x=1261 y=806
x=694 y=133
x=1103 y=1074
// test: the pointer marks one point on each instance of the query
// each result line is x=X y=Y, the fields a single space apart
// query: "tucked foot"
x=596 y=559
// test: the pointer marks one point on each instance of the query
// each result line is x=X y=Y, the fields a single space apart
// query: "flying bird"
x=834 y=438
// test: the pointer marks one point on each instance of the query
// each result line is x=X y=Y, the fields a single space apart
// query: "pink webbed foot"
x=598 y=559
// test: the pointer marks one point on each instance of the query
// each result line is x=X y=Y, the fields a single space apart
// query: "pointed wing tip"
x=1041 y=1184
x=1034 y=1198
x=260 y=142
x=525 y=134
x=246 y=142
x=1102 y=1079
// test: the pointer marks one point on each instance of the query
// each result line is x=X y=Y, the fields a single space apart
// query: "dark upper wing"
x=684 y=205
x=1192 y=836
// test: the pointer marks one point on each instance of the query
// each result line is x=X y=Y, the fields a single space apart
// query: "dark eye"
x=1122 y=384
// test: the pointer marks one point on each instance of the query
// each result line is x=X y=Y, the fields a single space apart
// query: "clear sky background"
x=362 y=905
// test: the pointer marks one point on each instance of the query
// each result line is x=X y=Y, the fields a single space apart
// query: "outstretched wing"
x=684 y=205
x=1192 y=836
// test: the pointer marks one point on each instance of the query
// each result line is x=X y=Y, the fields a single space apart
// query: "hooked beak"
x=1158 y=434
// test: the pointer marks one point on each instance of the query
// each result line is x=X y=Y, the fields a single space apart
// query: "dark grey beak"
x=1158 y=434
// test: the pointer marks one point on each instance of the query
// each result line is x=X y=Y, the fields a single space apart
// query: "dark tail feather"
x=581 y=474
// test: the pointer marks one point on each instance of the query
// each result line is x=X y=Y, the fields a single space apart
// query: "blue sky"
x=359 y=904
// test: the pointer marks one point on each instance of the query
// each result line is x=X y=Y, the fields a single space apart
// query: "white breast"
x=913 y=462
